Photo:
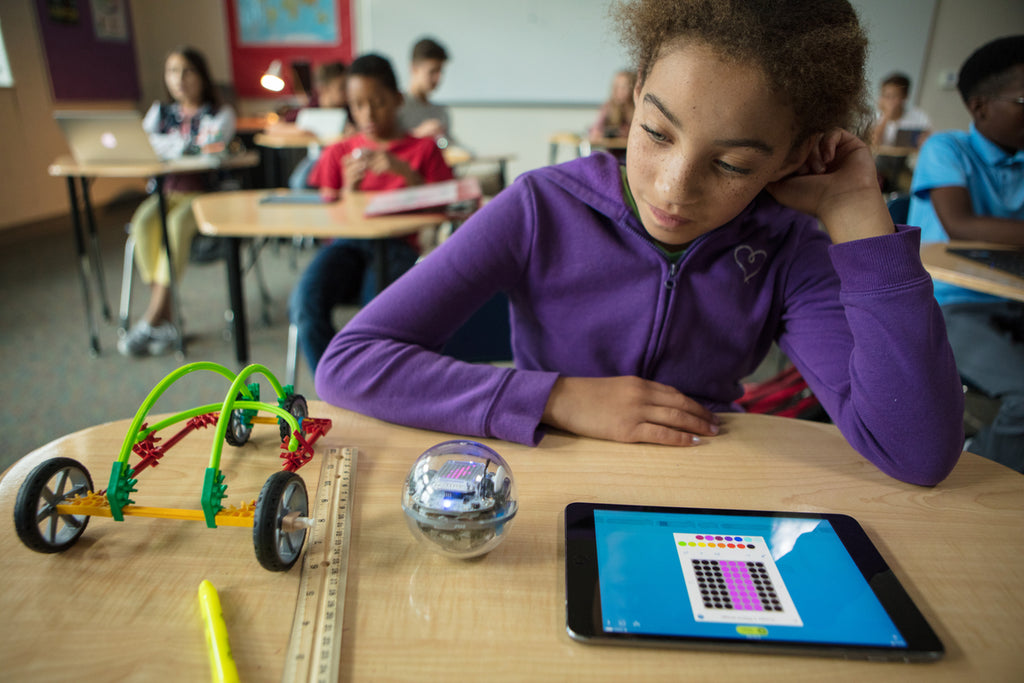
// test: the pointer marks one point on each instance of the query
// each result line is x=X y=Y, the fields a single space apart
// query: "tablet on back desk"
x=755 y=581
x=323 y=122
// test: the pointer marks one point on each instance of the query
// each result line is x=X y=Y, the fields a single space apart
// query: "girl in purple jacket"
x=746 y=214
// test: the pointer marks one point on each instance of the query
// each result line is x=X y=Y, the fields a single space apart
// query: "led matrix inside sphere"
x=460 y=498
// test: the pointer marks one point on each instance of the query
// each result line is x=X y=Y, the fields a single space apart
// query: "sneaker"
x=145 y=339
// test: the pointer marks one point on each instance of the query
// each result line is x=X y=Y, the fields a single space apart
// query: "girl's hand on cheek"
x=839 y=185
x=627 y=409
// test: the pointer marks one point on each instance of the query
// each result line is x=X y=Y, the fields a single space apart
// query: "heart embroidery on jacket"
x=750 y=262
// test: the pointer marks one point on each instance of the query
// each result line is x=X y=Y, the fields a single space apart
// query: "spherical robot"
x=460 y=498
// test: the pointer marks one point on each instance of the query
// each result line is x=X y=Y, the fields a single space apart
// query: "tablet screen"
x=741 y=577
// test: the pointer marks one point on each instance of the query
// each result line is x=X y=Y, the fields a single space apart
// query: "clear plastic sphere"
x=460 y=498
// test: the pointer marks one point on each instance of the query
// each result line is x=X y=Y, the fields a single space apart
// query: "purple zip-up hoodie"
x=592 y=296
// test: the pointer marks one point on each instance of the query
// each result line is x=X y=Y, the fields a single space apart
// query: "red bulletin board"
x=248 y=62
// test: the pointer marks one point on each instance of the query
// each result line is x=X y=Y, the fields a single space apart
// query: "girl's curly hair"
x=811 y=51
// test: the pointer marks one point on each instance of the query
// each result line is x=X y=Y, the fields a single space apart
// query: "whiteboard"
x=899 y=31
x=502 y=52
x=565 y=52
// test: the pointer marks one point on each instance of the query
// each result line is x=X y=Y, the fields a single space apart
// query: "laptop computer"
x=326 y=123
x=115 y=137
x=1006 y=260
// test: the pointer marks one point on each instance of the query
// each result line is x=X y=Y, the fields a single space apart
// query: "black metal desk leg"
x=83 y=267
x=97 y=263
x=237 y=299
x=173 y=285
x=380 y=264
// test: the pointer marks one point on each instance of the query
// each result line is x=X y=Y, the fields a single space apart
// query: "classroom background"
x=497 y=106
x=518 y=72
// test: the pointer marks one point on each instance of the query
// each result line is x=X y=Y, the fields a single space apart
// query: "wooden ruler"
x=314 y=650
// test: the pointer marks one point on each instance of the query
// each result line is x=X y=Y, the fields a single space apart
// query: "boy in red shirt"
x=380 y=156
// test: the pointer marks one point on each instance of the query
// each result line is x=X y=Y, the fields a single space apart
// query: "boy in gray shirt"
x=418 y=114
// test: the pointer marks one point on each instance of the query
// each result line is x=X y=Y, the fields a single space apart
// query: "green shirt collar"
x=671 y=255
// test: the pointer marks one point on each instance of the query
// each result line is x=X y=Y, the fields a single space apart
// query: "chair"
x=899 y=207
x=486 y=337
x=786 y=394
x=579 y=144
x=197 y=255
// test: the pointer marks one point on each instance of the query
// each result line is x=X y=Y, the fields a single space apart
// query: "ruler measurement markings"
x=314 y=650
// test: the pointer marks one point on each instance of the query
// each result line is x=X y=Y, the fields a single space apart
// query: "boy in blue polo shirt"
x=970 y=186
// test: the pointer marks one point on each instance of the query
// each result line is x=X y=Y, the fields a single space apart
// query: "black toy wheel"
x=296 y=405
x=238 y=430
x=36 y=519
x=277 y=549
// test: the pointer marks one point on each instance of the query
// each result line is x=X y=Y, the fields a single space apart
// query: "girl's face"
x=183 y=81
x=706 y=138
x=331 y=94
x=374 y=107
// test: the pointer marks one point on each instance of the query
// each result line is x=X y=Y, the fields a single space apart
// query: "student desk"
x=249 y=125
x=89 y=259
x=240 y=214
x=122 y=602
x=964 y=272
x=894 y=164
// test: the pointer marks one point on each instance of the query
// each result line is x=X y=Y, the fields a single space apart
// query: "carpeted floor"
x=53 y=384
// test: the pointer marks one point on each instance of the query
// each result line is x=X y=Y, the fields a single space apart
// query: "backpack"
x=786 y=395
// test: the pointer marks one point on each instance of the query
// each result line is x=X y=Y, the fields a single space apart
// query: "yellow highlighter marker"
x=222 y=665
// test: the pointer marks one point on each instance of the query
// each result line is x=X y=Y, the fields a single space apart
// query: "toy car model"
x=57 y=499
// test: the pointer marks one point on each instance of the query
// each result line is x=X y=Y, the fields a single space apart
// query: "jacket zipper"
x=669 y=283
x=673 y=270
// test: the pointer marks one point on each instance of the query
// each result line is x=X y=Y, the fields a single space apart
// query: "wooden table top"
x=121 y=604
x=892 y=151
x=67 y=166
x=964 y=272
x=296 y=140
x=254 y=124
x=240 y=214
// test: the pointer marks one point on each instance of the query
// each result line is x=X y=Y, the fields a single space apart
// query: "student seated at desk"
x=969 y=185
x=381 y=156
x=641 y=296
x=898 y=125
x=191 y=121
x=329 y=93
x=418 y=115
x=895 y=116
x=616 y=115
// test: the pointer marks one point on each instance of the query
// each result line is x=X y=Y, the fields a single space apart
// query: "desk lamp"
x=271 y=79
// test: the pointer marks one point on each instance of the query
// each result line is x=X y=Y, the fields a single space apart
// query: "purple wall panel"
x=81 y=65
